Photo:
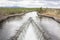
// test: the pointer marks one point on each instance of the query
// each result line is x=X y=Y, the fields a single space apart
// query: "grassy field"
x=46 y=11
x=8 y=11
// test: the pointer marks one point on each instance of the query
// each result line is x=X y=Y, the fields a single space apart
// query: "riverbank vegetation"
x=45 y=11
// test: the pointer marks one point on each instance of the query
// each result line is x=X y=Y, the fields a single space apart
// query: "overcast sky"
x=30 y=3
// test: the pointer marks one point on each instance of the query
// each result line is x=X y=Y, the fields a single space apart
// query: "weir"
x=30 y=27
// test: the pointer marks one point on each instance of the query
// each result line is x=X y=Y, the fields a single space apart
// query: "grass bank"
x=46 y=11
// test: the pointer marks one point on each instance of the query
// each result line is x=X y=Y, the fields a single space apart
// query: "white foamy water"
x=11 y=26
x=30 y=34
x=52 y=27
x=49 y=25
x=31 y=14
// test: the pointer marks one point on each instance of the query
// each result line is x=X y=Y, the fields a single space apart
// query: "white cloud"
x=52 y=4
x=7 y=3
x=30 y=3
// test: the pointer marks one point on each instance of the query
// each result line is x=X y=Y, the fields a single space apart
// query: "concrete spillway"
x=30 y=27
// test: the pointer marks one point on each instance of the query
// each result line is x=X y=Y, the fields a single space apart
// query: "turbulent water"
x=52 y=27
x=30 y=27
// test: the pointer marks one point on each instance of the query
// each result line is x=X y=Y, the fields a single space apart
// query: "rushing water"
x=30 y=27
x=52 y=27
x=30 y=34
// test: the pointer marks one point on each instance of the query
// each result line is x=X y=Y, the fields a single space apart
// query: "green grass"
x=7 y=11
